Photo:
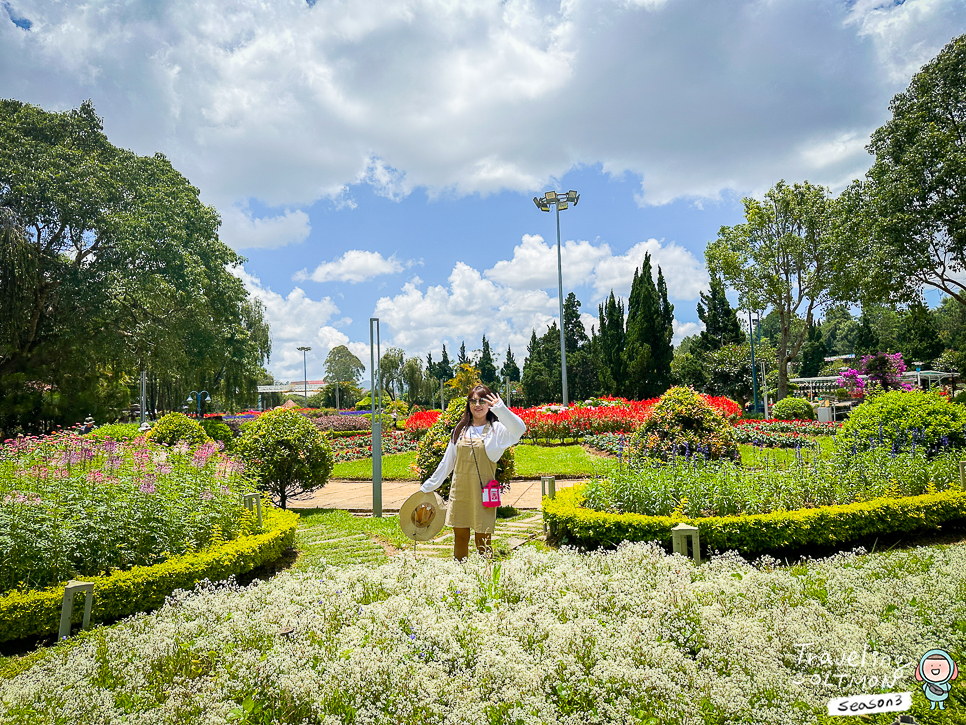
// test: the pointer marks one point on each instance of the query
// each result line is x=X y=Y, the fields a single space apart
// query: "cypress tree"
x=575 y=337
x=609 y=344
x=461 y=358
x=866 y=339
x=510 y=368
x=444 y=368
x=661 y=348
x=431 y=367
x=643 y=312
x=721 y=326
x=486 y=366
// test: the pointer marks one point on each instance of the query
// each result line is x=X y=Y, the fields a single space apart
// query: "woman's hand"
x=492 y=399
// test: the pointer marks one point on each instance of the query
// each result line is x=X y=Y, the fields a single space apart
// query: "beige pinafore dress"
x=466 y=509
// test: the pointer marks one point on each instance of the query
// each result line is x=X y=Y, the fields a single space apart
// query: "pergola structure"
x=829 y=384
x=297 y=387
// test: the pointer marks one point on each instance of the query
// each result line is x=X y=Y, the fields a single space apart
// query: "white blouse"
x=506 y=431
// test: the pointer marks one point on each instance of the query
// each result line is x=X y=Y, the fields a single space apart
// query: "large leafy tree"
x=905 y=223
x=781 y=257
x=123 y=270
x=391 y=366
x=342 y=366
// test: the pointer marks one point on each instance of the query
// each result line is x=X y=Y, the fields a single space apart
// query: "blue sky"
x=378 y=158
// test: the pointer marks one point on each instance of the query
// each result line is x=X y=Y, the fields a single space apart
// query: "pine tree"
x=575 y=336
x=866 y=338
x=486 y=366
x=643 y=311
x=444 y=368
x=661 y=348
x=535 y=380
x=609 y=344
x=510 y=368
x=721 y=326
x=461 y=358
x=919 y=335
x=813 y=352
x=431 y=367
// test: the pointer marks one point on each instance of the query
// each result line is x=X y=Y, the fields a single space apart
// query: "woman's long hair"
x=478 y=391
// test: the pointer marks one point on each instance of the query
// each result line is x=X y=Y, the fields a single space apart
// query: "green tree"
x=609 y=344
x=781 y=257
x=412 y=376
x=486 y=365
x=813 y=353
x=390 y=367
x=461 y=358
x=510 y=370
x=125 y=272
x=342 y=366
x=905 y=223
x=647 y=348
x=721 y=326
x=839 y=329
x=866 y=337
x=575 y=336
x=919 y=335
x=286 y=452
x=538 y=377
x=444 y=368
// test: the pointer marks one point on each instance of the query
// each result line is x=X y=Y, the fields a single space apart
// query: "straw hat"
x=422 y=516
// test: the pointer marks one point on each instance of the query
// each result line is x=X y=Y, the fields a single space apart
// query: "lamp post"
x=198 y=398
x=754 y=374
x=559 y=201
x=375 y=389
x=305 y=380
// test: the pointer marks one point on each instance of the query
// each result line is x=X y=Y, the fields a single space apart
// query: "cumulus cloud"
x=354 y=266
x=296 y=320
x=534 y=266
x=289 y=102
x=685 y=329
x=240 y=230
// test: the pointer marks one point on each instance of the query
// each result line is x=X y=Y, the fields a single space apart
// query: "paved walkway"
x=356 y=496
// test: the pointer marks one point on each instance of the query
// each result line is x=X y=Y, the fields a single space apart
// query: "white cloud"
x=297 y=320
x=684 y=329
x=288 y=103
x=240 y=230
x=534 y=267
x=354 y=266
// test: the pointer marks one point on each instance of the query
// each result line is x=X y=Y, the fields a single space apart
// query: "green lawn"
x=750 y=456
x=531 y=462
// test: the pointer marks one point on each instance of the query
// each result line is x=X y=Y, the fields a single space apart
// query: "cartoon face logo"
x=935 y=671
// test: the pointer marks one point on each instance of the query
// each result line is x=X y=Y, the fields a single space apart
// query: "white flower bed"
x=556 y=637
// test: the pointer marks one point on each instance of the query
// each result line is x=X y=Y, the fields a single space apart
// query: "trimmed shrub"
x=793 y=409
x=218 y=431
x=825 y=526
x=286 y=452
x=143 y=588
x=684 y=423
x=175 y=428
x=902 y=418
x=432 y=448
x=119 y=432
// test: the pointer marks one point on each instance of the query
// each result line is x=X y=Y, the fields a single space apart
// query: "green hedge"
x=143 y=588
x=569 y=523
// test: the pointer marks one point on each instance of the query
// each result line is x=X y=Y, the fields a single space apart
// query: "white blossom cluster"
x=631 y=636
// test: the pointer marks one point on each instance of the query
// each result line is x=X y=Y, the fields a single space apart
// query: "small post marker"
x=962 y=475
x=253 y=501
x=67 y=609
x=681 y=535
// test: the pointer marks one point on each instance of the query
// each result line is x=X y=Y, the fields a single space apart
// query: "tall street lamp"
x=198 y=395
x=305 y=380
x=559 y=201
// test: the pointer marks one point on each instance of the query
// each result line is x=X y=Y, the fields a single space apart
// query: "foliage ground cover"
x=71 y=506
x=543 y=637
x=691 y=486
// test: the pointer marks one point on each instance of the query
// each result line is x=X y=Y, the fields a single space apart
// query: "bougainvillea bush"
x=351 y=448
x=73 y=507
x=630 y=636
x=682 y=423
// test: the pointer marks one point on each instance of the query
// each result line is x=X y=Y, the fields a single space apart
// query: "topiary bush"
x=176 y=428
x=681 y=424
x=432 y=448
x=904 y=418
x=219 y=431
x=793 y=409
x=286 y=452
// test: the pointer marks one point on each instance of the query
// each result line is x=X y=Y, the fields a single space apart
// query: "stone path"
x=356 y=496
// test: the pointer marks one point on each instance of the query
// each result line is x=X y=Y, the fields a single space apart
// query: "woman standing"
x=485 y=431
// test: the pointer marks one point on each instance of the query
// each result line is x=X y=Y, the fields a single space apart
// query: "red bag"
x=491 y=494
